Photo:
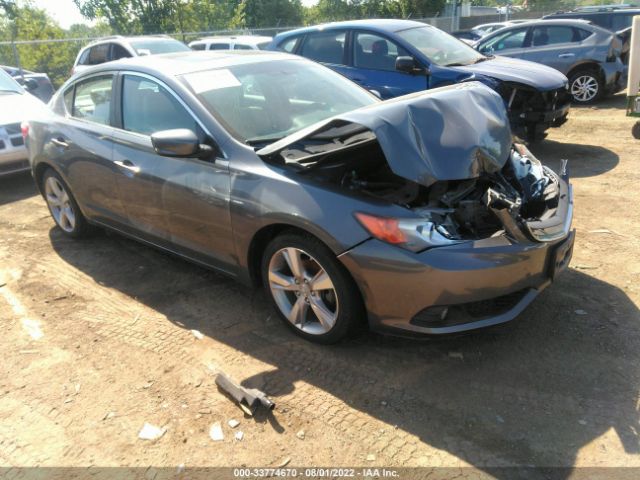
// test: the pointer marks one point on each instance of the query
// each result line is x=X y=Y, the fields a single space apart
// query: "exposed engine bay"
x=476 y=208
x=446 y=157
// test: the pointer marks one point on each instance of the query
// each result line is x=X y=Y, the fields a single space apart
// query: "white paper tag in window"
x=212 y=80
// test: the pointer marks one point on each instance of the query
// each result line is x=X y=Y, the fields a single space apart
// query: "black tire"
x=583 y=78
x=635 y=130
x=345 y=297
x=80 y=227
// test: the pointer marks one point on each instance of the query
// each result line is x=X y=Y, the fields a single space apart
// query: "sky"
x=66 y=13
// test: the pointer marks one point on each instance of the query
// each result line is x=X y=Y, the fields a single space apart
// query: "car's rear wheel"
x=311 y=291
x=585 y=86
x=62 y=205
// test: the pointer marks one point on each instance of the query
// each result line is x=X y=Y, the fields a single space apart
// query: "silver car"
x=16 y=105
x=588 y=55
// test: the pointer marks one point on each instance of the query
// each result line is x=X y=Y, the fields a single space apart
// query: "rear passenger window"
x=98 y=54
x=198 y=46
x=376 y=52
x=148 y=108
x=288 y=45
x=219 y=46
x=239 y=46
x=92 y=100
x=552 y=35
x=325 y=47
x=118 y=52
x=582 y=34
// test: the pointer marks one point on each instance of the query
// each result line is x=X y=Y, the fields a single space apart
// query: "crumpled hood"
x=15 y=108
x=450 y=133
x=533 y=74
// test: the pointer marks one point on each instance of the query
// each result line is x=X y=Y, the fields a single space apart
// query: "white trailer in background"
x=633 y=85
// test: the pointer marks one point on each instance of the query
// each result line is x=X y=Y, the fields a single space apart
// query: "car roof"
x=180 y=63
x=552 y=21
x=383 y=25
x=235 y=38
x=122 y=39
x=603 y=11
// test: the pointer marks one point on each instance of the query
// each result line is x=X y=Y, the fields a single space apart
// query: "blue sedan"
x=397 y=57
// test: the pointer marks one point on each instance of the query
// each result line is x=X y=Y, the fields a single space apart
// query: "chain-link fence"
x=56 y=57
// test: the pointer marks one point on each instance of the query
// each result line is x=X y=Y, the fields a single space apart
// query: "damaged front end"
x=447 y=158
x=532 y=111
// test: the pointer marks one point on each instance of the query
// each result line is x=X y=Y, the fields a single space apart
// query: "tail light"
x=24 y=128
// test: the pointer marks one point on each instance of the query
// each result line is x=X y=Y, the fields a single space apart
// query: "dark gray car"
x=588 y=55
x=416 y=214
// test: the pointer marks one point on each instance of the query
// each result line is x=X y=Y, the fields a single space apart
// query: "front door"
x=181 y=203
x=374 y=66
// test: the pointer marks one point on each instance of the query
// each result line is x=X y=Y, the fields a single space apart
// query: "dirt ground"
x=97 y=340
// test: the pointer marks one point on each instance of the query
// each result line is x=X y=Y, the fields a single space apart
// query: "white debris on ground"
x=151 y=432
x=215 y=432
x=198 y=334
x=233 y=423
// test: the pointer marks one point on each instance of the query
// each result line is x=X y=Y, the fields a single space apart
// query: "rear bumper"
x=459 y=287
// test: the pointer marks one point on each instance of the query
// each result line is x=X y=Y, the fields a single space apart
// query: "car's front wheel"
x=585 y=86
x=62 y=205
x=311 y=291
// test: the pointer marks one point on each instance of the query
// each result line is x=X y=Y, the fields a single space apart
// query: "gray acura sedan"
x=416 y=214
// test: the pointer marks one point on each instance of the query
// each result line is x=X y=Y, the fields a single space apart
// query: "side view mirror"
x=30 y=84
x=409 y=65
x=179 y=142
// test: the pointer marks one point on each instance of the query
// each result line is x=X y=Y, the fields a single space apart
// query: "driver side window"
x=505 y=41
x=148 y=108
x=375 y=52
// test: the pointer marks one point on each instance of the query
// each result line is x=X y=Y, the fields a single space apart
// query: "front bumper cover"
x=399 y=286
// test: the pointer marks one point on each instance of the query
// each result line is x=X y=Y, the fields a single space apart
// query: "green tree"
x=24 y=22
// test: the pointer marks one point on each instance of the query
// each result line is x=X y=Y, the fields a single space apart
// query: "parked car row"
x=16 y=105
x=397 y=57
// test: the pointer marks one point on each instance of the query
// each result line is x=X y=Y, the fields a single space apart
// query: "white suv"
x=113 y=48
x=239 y=42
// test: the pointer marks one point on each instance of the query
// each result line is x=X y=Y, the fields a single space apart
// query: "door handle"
x=60 y=142
x=127 y=164
x=566 y=55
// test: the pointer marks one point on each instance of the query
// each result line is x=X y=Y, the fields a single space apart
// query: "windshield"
x=8 y=84
x=260 y=103
x=440 y=47
x=154 y=47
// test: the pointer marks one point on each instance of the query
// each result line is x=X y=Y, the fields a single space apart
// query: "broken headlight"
x=413 y=234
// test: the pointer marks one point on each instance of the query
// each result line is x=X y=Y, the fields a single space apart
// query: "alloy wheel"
x=584 y=88
x=60 y=204
x=303 y=291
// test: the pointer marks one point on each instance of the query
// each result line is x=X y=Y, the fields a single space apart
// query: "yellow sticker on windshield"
x=212 y=80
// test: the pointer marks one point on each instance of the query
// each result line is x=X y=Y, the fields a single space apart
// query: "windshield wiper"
x=484 y=59
x=261 y=140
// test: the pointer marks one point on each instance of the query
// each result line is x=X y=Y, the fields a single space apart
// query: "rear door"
x=373 y=65
x=81 y=142
x=558 y=46
x=180 y=203
x=329 y=48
